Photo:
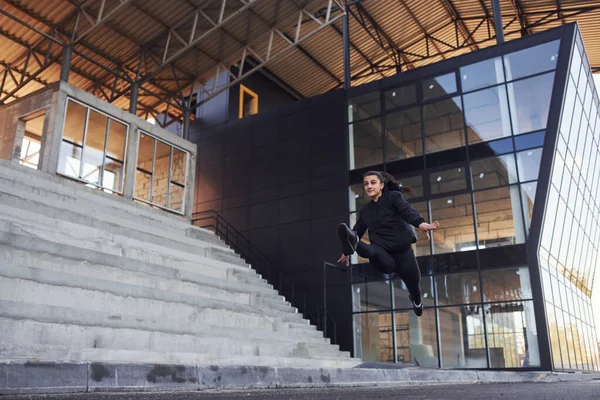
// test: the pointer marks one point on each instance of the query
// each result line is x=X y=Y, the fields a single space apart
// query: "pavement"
x=472 y=391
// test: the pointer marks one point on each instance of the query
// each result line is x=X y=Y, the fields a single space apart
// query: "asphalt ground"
x=505 y=391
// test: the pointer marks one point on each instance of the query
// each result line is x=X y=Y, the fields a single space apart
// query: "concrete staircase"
x=89 y=276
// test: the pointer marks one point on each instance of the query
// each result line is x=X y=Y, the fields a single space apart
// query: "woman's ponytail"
x=387 y=177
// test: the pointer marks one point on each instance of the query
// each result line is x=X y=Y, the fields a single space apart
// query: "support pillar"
x=134 y=98
x=346 y=40
x=66 y=64
x=498 y=21
x=186 y=124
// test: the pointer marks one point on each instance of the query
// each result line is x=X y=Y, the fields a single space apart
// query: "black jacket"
x=389 y=221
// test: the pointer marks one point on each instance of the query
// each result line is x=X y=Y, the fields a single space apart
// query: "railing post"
x=325 y=298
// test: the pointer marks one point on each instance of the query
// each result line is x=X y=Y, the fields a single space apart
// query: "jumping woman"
x=390 y=220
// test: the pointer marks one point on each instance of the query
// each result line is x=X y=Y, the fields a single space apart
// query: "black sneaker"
x=417 y=308
x=348 y=238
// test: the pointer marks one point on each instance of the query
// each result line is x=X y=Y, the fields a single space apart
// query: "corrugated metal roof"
x=422 y=31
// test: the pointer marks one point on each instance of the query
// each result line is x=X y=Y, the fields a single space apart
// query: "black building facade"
x=501 y=146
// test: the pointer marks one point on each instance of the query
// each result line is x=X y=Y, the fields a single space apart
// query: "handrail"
x=301 y=295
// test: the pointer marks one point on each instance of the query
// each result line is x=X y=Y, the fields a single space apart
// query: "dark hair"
x=385 y=178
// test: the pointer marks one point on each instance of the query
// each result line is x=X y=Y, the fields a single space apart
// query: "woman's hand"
x=344 y=259
x=425 y=228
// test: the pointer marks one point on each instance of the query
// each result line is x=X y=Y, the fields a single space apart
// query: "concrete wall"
x=280 y=178
x=12 y=128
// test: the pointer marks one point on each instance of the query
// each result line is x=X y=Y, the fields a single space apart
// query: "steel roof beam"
x=460 y=25
x=268 y=56
x=518 y=10
x=96 y=21
x=423 y=30
x=172 y=37
x=359 y=51
x=380 y=36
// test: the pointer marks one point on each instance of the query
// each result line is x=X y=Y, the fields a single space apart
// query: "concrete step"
x=176 y=240
x=25 y=324
x=134 y=273
x=93 y=239
x=169 y=267
x=39 y=286
x=50 y=353
x=113 y=242
x=42 y=185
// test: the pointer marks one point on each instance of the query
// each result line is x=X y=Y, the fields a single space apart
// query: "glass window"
x=93 y=148
x=499 y=220
x=458 y=288
x=507 y=284
x=443 y=125
x=529 y=101
x=366 y=143
x=162 y=161
x=403 y=137
x=415 y=183
x=528 y=162
x=364 y=106
x=177 y=183
x=488 y=149
x=457 y=230
x=358 y=197
x=143 y=175
x=416 y=338
x=400 y=97
x=487 y=115
x=421 y=247
x=494 y=171
x=536 y=139
x=532 y=60
x=75 y=122
x=374 y=295
x=576 y=64
x=439 y=86
x=447 y=181
x=567 y=111
x=375 y=331
x=401 y=293
x=93 y=151
x=462 y=337
x=528 y=196
x=511 y=335
x=160 y=174
x=482 y=74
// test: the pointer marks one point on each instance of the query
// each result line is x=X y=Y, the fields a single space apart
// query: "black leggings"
x=402 y=263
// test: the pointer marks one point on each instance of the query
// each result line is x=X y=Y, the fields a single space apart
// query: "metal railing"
x=309 y=298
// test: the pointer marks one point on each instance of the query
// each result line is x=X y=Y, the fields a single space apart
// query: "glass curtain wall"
x=569 y=243
x=469 y=143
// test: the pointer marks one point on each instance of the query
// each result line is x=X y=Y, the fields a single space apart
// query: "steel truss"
x=155 y=64
x=436 y=47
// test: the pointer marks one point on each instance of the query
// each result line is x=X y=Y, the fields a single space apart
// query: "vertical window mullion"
x=83 y=146
x=101 y=177
x=152 y=175
x=168 y=202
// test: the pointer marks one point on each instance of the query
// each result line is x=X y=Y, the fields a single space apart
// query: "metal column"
x=186 y=123
x=66 y=63
x=346 y=37
x=498 y=21
x=134 y=98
